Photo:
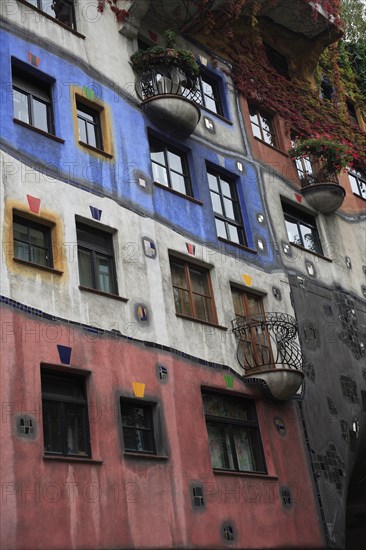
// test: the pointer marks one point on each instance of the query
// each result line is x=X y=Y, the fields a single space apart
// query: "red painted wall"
x=134 y=502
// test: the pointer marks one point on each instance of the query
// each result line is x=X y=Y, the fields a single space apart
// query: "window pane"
x=229 y=209
x=210 y=104
x=178 y=182
x=182 y=303
x=212 y=181
x=309 y=238
x=238 y=303
x=104 y=274
x=243 y=450
x=85 y=268
x=52 y=427
x=202 y=308
x=228 y=407
x=175 y=162
x=199 y=281
x=157 y=154
x=75 y=427
x=160 y=174
x=221 y=456
x=225 y=188
x=40 y=115
x=216 y=203
x=91 y=130
x=82 y=130
x=256 y=131
x=138 y=440
x=37 y=237
x=293 y=233
x=20 y=231
x=178 y=276
x=20 y=102
x=221 y=229
x=233 y=233
x=21 y=251
x=39 y=256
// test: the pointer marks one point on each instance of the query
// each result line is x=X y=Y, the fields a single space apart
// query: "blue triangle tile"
x=65 y=354
x=96 y=213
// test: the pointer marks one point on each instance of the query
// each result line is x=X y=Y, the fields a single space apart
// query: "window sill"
x=38 y=130
x=359 y=196
x=196 y=320
x=188 y=197
x=53 y=19
x=256 y=475
x=221 y=117
x=96 y=150
x=238 y=245
x=311 y=252
x=148 y=456
x=272 y=147
x=84 y=460
x=101 y=293
x=38 y=266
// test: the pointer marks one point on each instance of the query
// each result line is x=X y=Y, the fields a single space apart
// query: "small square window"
x=89 y=126
x=209 y=94
x=233 y=433
x=32 y=101
x=62 y=10
x=226 y=206
x=262 y=125
x=138 y=426
x=65 y=414
x=170 y=167
x=32 y=241
x=358 y=183
x=193 y=295
x=96 y=259
x=301 y=229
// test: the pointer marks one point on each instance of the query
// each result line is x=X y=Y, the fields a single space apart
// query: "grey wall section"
x=332 y=326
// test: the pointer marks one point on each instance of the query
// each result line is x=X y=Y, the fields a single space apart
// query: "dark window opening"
x=138 y=427
x=32 y=100
x=170 y=167
x=193 y=295
x=65 y=415
x=277 y=60
x=233 y=433
x=32 y=241
x=62 y=10
x=301 y=229
x=197 y=495
x=352 y=112
x=89 y=125
x=228 y=532
x=96 y=259
x=225 y=203
x=326 y=89
x=262 y=125
x=358 y=183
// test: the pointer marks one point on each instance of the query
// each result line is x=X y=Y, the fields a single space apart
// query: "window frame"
x=155 y=426
x=39 y=6
x=95 y=113
x=64 y=403
x=206 y=78
x=260 y=114
x=185 y=166
x=47 y=232
x=253 y=339
x=94 y=250
x=357 y=181
x=36 y=89
x=187 y=266
x=228 y=424
x=238 y=222
x=298 y=216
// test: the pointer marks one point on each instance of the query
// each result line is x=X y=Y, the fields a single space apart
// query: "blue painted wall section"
x=118 y=177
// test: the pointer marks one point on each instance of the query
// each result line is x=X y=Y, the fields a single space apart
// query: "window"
x=358 y=183
x=352 y=112
x=138 y=426
x=225 y=203
x=65 y=415
x=32 y=241
x=62 y=10
x=170 y=167
x=277 y=60
x=326 y=89
x=255 y=348
x=89 y=125
x=233 y=433
x=304 y=166
x=301 y=229
x=192 y=291
x=96 y=259
x=262 y=125
x=209 y=94
x=32 y=100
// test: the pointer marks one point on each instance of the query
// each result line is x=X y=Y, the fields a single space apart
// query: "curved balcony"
x=324 y=194
x=269 y=353
x=169 y=98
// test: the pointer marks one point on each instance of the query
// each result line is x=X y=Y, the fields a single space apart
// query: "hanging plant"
x=120 y=14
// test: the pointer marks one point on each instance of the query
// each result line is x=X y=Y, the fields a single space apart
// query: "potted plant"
x=330 y=154
x=168 y=56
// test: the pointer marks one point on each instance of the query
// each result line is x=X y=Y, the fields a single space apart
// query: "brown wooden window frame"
x=260 y=114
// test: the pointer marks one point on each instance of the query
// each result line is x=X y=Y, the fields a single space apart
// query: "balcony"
x=169 y=93
x=324 y=194
x=269 y=353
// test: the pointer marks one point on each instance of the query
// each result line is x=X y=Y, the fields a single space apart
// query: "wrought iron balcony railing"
x=266 y=341
x=161 y=80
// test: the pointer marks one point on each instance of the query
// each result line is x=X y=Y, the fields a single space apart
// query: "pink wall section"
x=127 y=502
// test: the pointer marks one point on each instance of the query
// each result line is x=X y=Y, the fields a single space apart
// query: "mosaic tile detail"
x=149 y=248
x=286 y=497
x=310 y=334
x=298 y=197
x=228 y=532
x=350 y=330
x=95 y=212
x=88 y=93
x=138 y=389
x=330 y=466
x=162 y=373
x=64 y=353
x=229 y=380
x=286 y=249
x=310 y=269
x=349 y=389
x=332 y=407
x=34 y=204
x=141 y=313
x=26 y=426
x=309 y=370
x=279 y=425
x=276 y=293
x=260 y=217
x=247 y=279
x=34 y=60
x=191 y=249
x=363 y=290
x=328 y=310
x=348 y=262
x=209 y=125
x=345 y=430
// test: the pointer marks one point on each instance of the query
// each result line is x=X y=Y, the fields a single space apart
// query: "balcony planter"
x=167 y=85
x=328 y=157
x=278 y=370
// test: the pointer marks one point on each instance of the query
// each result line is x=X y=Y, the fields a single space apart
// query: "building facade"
x=183 y=325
